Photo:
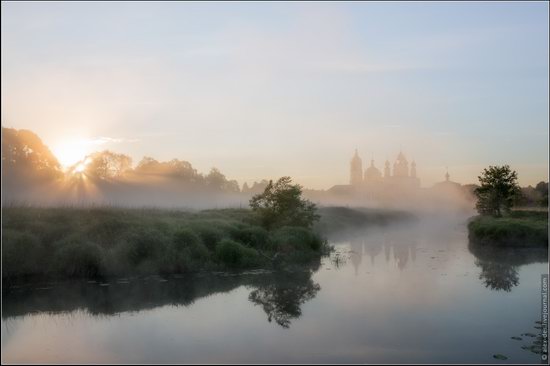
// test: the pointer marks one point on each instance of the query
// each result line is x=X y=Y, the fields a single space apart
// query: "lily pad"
x=498 y=356
x=517 y=338
x=529 y=335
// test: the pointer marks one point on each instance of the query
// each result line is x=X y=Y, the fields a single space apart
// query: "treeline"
x=32 y=174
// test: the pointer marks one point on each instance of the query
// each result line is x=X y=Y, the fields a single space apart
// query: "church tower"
x=413 y=169
x=387 y=169
x=401 y=166
x=356 y=170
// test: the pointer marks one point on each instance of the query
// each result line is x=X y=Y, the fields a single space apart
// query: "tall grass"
x=519 y=228
x=110 y=241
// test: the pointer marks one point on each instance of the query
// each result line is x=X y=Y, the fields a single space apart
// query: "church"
x=400 y=176
x=369 y=183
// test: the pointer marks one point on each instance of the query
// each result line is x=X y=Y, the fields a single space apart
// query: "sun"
x=80 y=168
x=69 y=153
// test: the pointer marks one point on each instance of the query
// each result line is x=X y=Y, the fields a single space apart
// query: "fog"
x=32 y=175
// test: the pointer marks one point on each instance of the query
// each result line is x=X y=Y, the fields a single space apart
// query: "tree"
x=498 y=190
x=542 y=188
x=26 y=157
x=281 y=204
x=105 y=164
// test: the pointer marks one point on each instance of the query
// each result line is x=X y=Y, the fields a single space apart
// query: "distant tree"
x=258 y=187
x=173 y=168
x=215 y=180
x=497 y=191
x=24 y=155
x=542 y=188
x=281 y=204
x=105 y=164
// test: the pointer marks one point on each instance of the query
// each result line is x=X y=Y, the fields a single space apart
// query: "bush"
x=21 y=253
x=144 y=245
x=255 y=237
x=76 y=258
x=235 y=255
x=520 y=229
x=186 y=253
x=290 y=238
x=209 y=234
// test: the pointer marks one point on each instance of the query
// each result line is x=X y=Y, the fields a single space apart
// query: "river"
x=410 y=293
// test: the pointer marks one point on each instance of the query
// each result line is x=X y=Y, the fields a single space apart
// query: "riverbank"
x=96 y=242
x=518 y=229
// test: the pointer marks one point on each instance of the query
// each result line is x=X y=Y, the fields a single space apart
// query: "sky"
x=262 y=90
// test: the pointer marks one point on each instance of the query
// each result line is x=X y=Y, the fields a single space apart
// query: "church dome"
x=401 y=158
x=372 y=172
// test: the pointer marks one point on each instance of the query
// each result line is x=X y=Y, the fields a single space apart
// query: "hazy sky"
x=261 y=90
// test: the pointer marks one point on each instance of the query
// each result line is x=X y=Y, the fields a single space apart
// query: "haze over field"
x=272 y=89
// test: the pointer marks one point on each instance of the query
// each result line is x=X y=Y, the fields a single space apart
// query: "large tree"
x=26 y=157
x=281 y=204
x=497 y=191
x=104 y=165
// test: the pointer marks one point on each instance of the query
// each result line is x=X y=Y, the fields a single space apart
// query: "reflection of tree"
x=498 y=276
x=281 y=294
x=499 y=266
x=282 y=298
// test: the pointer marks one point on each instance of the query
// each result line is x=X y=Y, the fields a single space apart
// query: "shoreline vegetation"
x=498 y=223
x=104 y=242
x=519 y=228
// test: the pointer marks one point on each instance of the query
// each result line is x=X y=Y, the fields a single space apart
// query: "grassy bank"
x=518 y=229
x=96 y=242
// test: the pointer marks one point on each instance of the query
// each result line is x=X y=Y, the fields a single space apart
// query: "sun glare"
x=70 y=153
x=80 y=168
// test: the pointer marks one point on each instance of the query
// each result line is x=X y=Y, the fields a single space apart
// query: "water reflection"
x=499 y=266
x=280 y=294
x=402 y=242
x=391 y=290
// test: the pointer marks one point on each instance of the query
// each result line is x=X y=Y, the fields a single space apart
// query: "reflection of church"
x=402 y=244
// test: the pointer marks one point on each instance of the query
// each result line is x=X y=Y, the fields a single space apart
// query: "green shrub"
x=519 y=229
x=186 y=253
x=255 y=237
x=76 y=258
x=210 y=235
x=144 y=245
x=21 y=253
x=289 y=238
x=235 y=255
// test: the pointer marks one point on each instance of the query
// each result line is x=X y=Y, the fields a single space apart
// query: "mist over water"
x=410 y=292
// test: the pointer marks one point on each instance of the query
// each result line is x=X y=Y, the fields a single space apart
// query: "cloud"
x=108 y=140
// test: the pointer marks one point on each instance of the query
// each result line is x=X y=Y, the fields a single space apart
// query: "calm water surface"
x=399 y=294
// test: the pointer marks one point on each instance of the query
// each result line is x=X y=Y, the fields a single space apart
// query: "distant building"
x=447 y=184
x=356 y=170
x=371 y=184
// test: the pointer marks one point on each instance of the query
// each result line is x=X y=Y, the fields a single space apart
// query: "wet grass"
x=518 y=229
x=100 y=242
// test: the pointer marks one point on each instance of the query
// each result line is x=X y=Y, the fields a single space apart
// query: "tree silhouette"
x=498 y=190
x=25 y=156
x=105 y=165
x=281 y=204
